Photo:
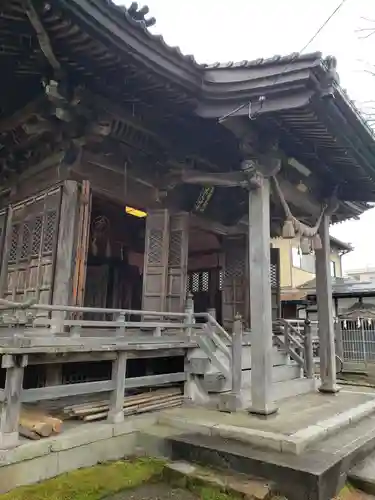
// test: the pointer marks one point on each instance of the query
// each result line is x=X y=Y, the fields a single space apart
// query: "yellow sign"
x=135 y=212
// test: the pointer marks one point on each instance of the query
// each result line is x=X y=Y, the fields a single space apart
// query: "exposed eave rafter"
x=42 y=35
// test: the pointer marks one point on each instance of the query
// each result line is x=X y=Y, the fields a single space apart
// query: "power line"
x=319 y=30
x=324 y=25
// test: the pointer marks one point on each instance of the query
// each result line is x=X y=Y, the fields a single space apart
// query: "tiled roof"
x=343 y=286
x=277 y=59
x=141 y=25
x=290 y=58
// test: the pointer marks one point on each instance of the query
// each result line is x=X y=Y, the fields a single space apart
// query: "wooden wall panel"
x=29 y=256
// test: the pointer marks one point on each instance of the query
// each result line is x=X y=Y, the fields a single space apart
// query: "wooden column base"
x=264 y=412
x=9 y=440
x=115 y=417
x=230 y=403
x=329 y=388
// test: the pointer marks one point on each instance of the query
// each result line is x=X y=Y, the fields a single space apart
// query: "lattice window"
x=205 y=278
x=194 y=282
x=198 y=281
x=37 y=234
x=14 y=243
x=221 y=279
x=273 y=276
x=49 y=231
x=26 y=240
x=155 y=246
x=235 y=265
x=175 y=243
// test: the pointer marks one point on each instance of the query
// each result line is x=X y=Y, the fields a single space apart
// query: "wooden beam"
x=22 y=115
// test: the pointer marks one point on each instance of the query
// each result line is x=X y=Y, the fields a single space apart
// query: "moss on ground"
x=93 y=483
x=104 y=480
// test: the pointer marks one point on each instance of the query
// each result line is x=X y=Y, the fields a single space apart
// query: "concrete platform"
x=318 y=473
x=300 y=422
x=79 y=445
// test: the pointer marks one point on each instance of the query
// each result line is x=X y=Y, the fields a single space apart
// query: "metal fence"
x=355 y=341
x=358 y=340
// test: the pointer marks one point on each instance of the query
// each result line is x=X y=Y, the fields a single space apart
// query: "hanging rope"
x=310 y=239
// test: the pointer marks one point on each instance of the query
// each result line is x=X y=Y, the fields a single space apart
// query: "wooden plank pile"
x=133 y=405
x=36 y=425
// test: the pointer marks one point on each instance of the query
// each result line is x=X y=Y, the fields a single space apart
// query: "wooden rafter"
x=43 y=38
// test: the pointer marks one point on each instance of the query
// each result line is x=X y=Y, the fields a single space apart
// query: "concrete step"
x=362 y=475
x=215 y=382
x=318 y=473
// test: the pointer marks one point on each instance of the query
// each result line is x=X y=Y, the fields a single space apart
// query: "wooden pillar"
x=11 y=407
x=66 y=244
x=155 y=274
x=234 y=279
x=325 y=311
x=260 y=300
x=177 y=262
x=116 y=404
x=65 y=257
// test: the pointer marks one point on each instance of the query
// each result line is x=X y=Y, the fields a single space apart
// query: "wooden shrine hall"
x=132 y=176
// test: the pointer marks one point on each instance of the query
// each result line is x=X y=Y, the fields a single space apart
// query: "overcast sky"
x=222 y=30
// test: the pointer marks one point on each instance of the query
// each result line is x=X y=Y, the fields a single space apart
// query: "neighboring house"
x=297 y=269
x=362 y=274
x=345 y=292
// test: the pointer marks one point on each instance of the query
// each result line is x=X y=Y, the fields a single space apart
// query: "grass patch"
x=93 y=483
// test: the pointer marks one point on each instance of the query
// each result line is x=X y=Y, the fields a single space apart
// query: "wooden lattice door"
x=235 y=300
x=29 y=250
x=205 y=286
x=275 y=283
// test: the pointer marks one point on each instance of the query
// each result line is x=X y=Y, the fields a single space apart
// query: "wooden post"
x=260 y=300
x=338 y=338
x=11 y=407
x=65 y=247
x=116 y=412
x=309 y=355
x=232 y=401
x=325 y=311
x=189 y=311
x=237 y=356
x=5 y=255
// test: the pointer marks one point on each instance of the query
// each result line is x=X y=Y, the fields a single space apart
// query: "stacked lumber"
x=35 y=425
x=133 y=405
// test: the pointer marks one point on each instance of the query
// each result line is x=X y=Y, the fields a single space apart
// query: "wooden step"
x=214 y=382
x=199 y=363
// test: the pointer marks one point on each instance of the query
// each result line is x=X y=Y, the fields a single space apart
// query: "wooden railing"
x=33 y=338
x=296 y=343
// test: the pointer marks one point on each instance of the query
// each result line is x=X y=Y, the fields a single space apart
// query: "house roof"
x=343 y=287
x=340 y=245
